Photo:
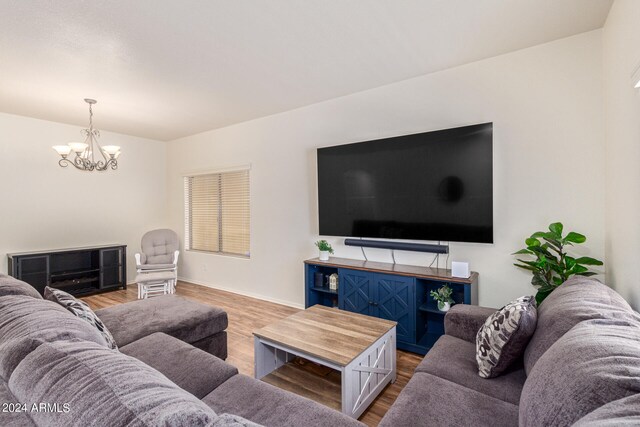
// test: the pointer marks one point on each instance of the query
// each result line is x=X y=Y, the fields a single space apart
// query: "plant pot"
x=324 y=255
x=444 y=306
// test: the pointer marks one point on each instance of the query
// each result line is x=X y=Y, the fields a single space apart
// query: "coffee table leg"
x=266 y=358
x=365 y=377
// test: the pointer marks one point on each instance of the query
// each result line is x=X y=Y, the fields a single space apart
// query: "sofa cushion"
x=12 y=417
x=579 y=298
x=195 y=370
x=596 y=362
x=179 y=317
x=454 y=359
x=621 y=412
x=270 y=406
x=504 y=336
x=104 y=386
x=12 y=351
x=27 y=317
x=428 y=400
x=231 y=420
x=12 y=286
x=81 y=310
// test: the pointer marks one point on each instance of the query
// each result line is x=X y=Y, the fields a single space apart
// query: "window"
x=216 y=212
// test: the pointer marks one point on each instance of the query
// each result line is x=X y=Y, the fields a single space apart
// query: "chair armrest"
x=176 y=254
x=463 y=320
x=140 y=258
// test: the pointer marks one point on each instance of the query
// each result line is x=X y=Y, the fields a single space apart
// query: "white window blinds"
x=216 y=212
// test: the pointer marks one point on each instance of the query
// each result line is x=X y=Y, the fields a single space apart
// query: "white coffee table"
x=361 y=348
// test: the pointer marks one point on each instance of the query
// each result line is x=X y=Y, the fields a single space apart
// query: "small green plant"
x=552 y=265
x=324 y=246
x=442 y=296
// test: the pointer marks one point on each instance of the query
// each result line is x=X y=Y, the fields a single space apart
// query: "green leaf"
x=557 y=280
x=556 y=228
x=585 y=260
x=552 y=238
x=541 y=295
x=523 y=252
x=532 y=242
x=575 y=238
x=555 y=244
x=578 y=269
x=569 y=262
x=540 y=250
x=558 y=269
x=539 y=280
x=537 y=234
x=553 y=261
x=587 y=274
x=526 y=267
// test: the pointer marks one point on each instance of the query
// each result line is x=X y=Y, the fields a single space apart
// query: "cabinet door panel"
x=355 y=291
x=35 y=271
x=111 y=268
x=396 y=301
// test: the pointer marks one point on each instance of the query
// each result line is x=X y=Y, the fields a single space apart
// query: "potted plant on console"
x=325 y=249
x=443 y=297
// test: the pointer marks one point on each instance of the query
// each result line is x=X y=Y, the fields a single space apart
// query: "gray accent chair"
x=157 y=263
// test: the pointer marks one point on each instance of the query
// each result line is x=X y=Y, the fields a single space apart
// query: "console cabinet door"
x=356 y=291
x=34 y=270
x=111 y=267
x=397 y=301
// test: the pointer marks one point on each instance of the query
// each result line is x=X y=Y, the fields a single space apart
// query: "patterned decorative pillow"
x=504 y=336
x=80 y=309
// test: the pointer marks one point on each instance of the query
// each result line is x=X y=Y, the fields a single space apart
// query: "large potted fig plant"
x=552 y=265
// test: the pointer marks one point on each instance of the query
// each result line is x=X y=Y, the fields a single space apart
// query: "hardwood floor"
x=247 y=314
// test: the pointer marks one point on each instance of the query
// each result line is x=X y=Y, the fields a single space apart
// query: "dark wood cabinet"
x=389 y=291
x=79 y=271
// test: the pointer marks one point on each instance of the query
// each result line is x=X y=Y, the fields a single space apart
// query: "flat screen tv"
x=434 y=186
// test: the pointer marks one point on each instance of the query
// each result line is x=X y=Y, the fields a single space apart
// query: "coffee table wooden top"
x=328 y=333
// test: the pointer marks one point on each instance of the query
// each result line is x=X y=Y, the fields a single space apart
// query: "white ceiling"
x=164 y=69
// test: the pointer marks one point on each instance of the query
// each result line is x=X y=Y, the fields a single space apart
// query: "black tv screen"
x=427 y=186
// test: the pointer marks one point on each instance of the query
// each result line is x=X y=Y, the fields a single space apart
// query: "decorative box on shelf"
x=390 y=291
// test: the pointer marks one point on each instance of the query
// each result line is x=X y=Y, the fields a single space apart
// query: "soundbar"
x=400 y=246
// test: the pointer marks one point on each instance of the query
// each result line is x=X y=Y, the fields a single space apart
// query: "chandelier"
x=84 y=151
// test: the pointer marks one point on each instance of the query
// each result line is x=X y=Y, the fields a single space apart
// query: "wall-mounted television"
x=434 y=186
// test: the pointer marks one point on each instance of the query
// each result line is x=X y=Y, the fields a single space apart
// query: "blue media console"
x=389 y=291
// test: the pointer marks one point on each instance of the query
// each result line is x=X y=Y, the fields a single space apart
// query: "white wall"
x=46 y=207
x=621 y=47
x=546 y=106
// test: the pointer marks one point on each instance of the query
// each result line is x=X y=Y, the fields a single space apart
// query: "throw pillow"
x=81 y=310
x=504 y=336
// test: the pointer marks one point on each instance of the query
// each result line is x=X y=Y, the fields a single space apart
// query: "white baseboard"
x=246 y=294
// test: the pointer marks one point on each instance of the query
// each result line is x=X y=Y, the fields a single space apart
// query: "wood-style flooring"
x=247 y=314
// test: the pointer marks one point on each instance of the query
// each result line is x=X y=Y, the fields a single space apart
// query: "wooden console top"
x=399 y=269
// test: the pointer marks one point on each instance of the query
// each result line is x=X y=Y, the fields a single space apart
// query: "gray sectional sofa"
x=581 y=367
x=55 y=369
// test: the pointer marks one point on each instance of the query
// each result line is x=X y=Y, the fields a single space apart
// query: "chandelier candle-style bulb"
x=85 y=151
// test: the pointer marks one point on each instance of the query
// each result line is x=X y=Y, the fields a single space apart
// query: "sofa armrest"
x=463 y=320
